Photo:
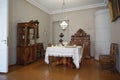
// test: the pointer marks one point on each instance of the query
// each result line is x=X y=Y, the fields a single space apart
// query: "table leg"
x=65 y=61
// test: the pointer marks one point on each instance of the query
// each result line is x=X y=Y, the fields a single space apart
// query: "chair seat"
x=105 y=59
x=104 y=56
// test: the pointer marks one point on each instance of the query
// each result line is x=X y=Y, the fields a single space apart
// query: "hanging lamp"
x=63 y=24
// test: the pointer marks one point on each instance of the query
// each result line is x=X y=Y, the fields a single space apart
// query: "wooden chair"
x=109 y=61
x=52 y=58
x=40 y=50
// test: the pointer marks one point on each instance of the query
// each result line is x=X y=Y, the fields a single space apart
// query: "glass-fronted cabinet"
x=27 y=34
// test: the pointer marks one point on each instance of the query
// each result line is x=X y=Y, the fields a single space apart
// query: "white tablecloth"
x=74 y=52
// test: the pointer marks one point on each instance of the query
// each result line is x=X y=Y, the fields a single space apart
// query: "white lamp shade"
x=64 y=25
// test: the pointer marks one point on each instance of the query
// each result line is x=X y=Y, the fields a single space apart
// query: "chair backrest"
x=49 y=45
x=113 y=51
x=40 y=46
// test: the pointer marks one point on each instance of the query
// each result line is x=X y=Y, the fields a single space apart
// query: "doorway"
x=57 y=30
x=3 y=36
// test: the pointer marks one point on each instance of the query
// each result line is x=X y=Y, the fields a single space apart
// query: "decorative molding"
x=66 y=10
x=33 y=2
x=79 y=8
x=102 y=11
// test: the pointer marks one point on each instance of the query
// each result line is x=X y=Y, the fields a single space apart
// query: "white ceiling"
x=55 y=6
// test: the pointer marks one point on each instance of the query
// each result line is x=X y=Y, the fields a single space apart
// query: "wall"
x=22 y=11
x=115 y=37
x=78 y=19
x=102 y=22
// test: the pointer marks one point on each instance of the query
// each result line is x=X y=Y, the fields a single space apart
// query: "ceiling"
x=55 y=6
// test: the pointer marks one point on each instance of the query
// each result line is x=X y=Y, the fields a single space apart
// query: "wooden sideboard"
x=83 y=39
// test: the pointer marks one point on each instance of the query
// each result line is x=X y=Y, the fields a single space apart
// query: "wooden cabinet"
x=27 y=34
x=83 y=39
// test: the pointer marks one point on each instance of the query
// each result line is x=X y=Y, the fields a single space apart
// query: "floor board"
x=90 y=70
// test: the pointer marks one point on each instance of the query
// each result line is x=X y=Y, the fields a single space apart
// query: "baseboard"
x=11 y=65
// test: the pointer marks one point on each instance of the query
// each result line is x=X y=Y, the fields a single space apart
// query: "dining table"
x=75 y=52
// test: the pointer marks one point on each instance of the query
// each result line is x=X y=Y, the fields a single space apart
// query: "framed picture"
x=114 y=7
x=118 y=4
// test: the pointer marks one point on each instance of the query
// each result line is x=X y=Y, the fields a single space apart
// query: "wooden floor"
x=90 y=70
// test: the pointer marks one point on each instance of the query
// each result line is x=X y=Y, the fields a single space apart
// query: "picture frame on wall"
x=114 y=7
x=118 y=3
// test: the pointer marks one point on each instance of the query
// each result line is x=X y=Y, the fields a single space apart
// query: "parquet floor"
x=90 y=70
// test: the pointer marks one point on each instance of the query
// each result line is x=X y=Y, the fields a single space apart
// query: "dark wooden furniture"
x=40 y=50
x=65 y=61
x=80 y=38
x=109 y=61
x=27 y=34
x=83 y=39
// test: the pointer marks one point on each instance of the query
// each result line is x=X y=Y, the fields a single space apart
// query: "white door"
x=3 y=36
